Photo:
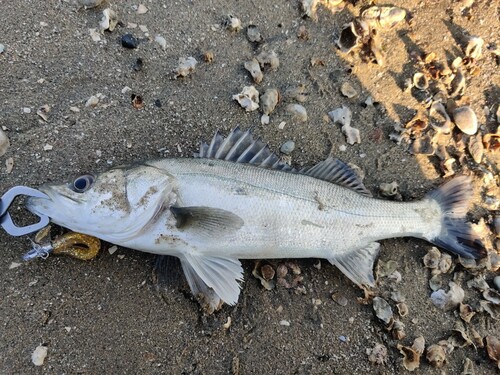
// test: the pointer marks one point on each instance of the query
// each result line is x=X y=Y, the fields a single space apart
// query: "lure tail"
x=457 y=235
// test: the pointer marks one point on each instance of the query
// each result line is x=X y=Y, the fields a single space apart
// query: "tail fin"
x=456 y=234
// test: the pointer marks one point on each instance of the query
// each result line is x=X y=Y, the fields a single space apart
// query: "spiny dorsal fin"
x=335 y=171
x=241 y=147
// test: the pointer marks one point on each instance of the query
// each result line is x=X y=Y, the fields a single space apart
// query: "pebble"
x=161 y=41
x=74 y=109
x=141 y=9
x=496 y=282
x=26 y=110
x=2 y=48
x=39 y=354
x=285 y=323
x=347 y=90
x=112 y=249
x=14 y=265
x=129 y=41
x=287 y=147
x=253 y=34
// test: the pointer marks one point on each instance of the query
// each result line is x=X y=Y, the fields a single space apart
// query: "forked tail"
x=457 y=235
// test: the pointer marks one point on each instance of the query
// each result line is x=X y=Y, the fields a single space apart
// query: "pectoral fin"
x=213 y=279
x=358 y=266
x=208 y=221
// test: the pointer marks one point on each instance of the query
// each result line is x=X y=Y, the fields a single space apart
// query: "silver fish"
x=237 y=200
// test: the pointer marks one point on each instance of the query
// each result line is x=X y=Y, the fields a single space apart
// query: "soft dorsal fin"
x=335 y=171
x=241 y=147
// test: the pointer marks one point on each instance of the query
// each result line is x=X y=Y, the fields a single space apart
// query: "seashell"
x=474 y=47
x=492 y=141
x=161 y=41
x=493 y=349
x=476 y=148
x=39 y=354
x=460 y=338
x=466 y=120
x=411 y=355
x=141 y=9
x=395 y=277
x=208 y=56
x=456 y=63
x=384 y=269
x=468 y=368
x=253 y=67
x=422 y=145
x=397 y=296
x=352 y=134
x=448 y=300
x=341 y=115
x=390 y=16
x=109 y=20
x=457 y=85
x=232 y=23
x=268 y=58
x=376 y=49
x=298 y=93
x=398 y=330
x=248 y=98
x=287 y=147
x=281 y=271
x=382 y=310
x=186 y=66
x=4 y=142
x=479 y=283
x=466 y=312
x=347 y=90
x=436 y=282
x=377 y=355
x=492 y=295
x=253 y=34
x=417 y=124
x=389 y=189
x=297 y=111
x=349 y=38
x=436 y=356
x=303 y=33
x=402 y=309
x=432 y=258
x=445 y=263
x=371 y=16
x=420 y=81
x=264 y=275
x=269 y=100
x=445 y=127
x=492 y=309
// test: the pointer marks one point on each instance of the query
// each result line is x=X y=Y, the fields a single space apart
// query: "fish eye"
x=82 y=183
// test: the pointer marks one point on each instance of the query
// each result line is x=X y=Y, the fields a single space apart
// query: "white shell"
x=38 y=355
x=269 y=100
x=233 y=23
x=186 y=66
x=248 y=98
x=109 y=20
x=382 y=310
x=448 y=300
x=253 y=67
x=445 y=127
x=268 y=58
x=465 y=119
x=420 y=81
x=474 y=47
x=297 y=111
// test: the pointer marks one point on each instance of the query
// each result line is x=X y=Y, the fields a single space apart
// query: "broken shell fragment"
x=466 y=312
x=389 y=189
x=347 y=90
x=436 y=282
x=352 y=134
x=377 y=355
x=383 y=17
x=253 y=34
x=186 y=66
x=411 y=355
x=398 y=330
x=493 y=349
x=109 y=20
x=341 y=115
x=448 y=300
x=457 y=85
x=420 y=81
x=422 y=146
x=436 y=356
x=432 y=258
x=267 y=272
x=268 y=59
x=468 y=368
x=269 y=100
x=492 y=295
x=402 y=309
x=377 y=50
x=474 y=48
x=445 y=126
x=264 y=273
x=466 y=120
x=382 y=310
x=4 y=142
x=298 y=93
x=232 y=23
x=417 y=124
x=248 y=98
x=349 y=38
x=253 y=67
x=476 y=148
x=297 y=111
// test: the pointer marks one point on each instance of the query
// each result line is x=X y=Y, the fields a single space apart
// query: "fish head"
x=115 y=205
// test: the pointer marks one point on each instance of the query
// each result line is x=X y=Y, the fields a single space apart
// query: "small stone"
x=465 y=119
x=74 y=109
x=126 y=89
x=112 y=249
x=287 y=147
x=161 y=41
x=297 y=111
x=129 y=41
x=232 y=23
x=141 y=9
x=281 y=125
x=14 y=265
x=253 y=34
x=347 y=90
x=92 y=101
x=9 y=165
x=94 y=34
x=26 y=110
x=47 y=147
x=2 y=48
x=38 y=356
x=285 y=323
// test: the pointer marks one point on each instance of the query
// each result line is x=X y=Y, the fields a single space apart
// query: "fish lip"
x=34 y=204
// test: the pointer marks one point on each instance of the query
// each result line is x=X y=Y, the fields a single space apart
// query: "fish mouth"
x=38 y=205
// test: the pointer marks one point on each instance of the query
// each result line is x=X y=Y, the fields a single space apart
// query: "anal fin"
x=213 y=279
x=358 y=265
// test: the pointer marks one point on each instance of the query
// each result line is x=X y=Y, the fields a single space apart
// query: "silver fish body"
x=238 y=201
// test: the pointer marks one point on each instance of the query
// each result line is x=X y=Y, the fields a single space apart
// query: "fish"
x=235 y=199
